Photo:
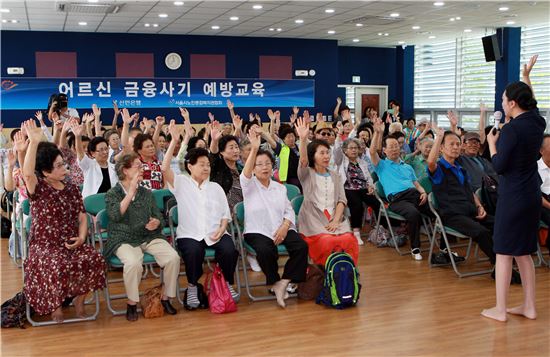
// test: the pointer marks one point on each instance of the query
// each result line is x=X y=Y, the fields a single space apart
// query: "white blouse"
x=265 y=207
x=200 y=208
x=93 y=176
x=323 y=196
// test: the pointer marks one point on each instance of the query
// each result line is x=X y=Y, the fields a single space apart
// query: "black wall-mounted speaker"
x=491 y=48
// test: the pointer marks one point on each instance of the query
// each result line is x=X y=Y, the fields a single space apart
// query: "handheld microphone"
x=497 y=116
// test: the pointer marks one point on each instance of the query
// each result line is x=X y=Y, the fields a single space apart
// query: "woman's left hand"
x=332 y=226
x=152 y=224
x=77 y=242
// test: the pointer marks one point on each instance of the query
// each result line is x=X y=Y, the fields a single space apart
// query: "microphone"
x=497 y=116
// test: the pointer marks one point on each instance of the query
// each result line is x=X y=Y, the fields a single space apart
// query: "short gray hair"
x=124 y=162
x=351 y=141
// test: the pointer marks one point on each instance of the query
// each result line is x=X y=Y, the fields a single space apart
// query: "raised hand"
x=115 y=108
x=340 y=127
x=237 y=122
x=126 y=118
x=160 y=121
x=255 y=138
x=306 y=116
x=96 y=111
x=38 y=115
x=302 y=129
x=295 y=110
x=184 y=114
x=76 y=128
x=257 y=117
x=211 y=117
x=338 y=100
x=250 y=116
x=319 y=118
x=11 y=158
x=529 y=66
x=20 y=143
x=278 y=116
x=293 y=118
x=482 y=107
x=378 y=125
x=215 y=131
x=271 y=115
x=34 y=132
x=230 y=105
x=452 y=118
x=174 y=130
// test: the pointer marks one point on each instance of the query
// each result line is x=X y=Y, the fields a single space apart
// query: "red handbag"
x=219 y=297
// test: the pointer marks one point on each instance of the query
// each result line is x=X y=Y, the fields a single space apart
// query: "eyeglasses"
x=265 y=164
x=60 y=165
x=353 y=148
x=102 y=150
x=324 y=133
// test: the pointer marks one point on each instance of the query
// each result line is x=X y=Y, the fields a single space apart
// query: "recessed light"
x=331 y=32
x=299 y=21
x=93 y=1
x=257 y=7
x=147 y=25
x=439 y=3
x=215 y=27
x=431 y=37
x=503 y=8
x=234 y=18
x=386 y=34
x=394 y=14
x=4 y=21
x=82 y=23
x=5 y=11
x=163 y=16
x=355 y=40
x=279 y=29
x=467 y=30
x=155 y=25
x=416 y=27
x=510 y=22
x=400 y=42
x=14 y=21
x=359 y=25
x=329 y=11
x=178 y=3
x=380 y=33
x=458 y=18
x=452 y=19
x=271 y=29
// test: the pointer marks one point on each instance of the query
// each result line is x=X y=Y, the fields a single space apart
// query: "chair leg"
x=66 y=321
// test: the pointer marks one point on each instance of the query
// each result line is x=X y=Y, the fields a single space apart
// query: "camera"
x=62 y=102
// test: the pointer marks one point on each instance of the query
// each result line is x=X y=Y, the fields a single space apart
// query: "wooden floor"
x=406 y=308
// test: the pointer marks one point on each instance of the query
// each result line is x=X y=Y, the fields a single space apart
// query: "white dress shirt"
x=200 y=209
x=93 y=176
x=544 y=173
x=265 y=207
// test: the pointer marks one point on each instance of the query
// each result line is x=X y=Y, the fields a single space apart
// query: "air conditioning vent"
x=88 y=8
x=376 y=20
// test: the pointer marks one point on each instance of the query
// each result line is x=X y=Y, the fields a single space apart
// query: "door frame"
x=363 y=89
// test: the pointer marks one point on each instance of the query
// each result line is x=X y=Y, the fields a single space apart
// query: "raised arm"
x=166 y=168
x=237 y=126
x=77 y=131
x=9 y=183
x=114 y=125
x=63 y=134
x=454 y=121
x=35 y=136
x=337 y=108
x=97 y=120
x=231 y=108
x=379 y=127
x=254 y=137
x=160 y=120
x=302 y=129
x=125 y=135
x=216 y=135
x=434 y=153
x=44 y=127
x=482 y=122
x=527 y=71
x=188 y=134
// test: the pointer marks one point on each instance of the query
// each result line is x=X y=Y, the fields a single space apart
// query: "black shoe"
x=457 y=258
x=440 y=259
x=515 y=279
x=168 y=308
x=131 y=312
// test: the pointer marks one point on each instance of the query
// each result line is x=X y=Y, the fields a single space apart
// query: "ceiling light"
x=279 y=29
x=380 y=33
x=163 y=16
x=458 y=18
x=503 y=8
x=394 y=14
x=359 y=25
x=452 y=19
x=147 y=25
x=155 y=25
x=331 y=32
x=178 y=3
x=299 y=21
x=215 y=27
x=5 y=10
x=257 y=7
x=234 y=18
x=510 y=22
x=329 y=11
x=93 y=1
x=467 y=30
x=416 y=27
x=82 y=23
x=386 y=34
x=439 y=3
x=4 y=21
x=355 y=40
x=15 y=21
x=431 y=37
x=400 y=42
x=271 y=29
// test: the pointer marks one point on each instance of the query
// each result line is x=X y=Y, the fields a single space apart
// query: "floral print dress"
x=53 y=272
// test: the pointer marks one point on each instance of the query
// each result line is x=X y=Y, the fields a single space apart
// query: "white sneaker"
x=358 y=237
x=416 y=254
x=253 y=263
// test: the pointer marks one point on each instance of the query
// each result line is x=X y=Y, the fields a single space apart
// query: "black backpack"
x=14 y=311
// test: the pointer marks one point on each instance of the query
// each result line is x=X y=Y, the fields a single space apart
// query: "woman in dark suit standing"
x=514 y=153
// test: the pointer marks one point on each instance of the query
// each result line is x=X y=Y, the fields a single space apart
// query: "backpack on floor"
x=341 y=285
x=14 y=311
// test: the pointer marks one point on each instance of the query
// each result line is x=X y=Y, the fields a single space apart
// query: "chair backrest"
x=380 y=190
x=28 y=223
x=426 y=184
x=102 y=219
x=432 y=201
x=94 y=203
x=297 y=203
x=159 y=195
x=26 y=205
x=291 y=191
x=238 y=210
x=174 y=215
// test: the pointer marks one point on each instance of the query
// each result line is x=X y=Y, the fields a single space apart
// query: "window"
x=536 y=40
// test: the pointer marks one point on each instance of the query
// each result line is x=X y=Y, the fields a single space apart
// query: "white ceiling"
x=197 y=18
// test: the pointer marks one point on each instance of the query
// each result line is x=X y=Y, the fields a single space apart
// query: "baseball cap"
x=472 y=136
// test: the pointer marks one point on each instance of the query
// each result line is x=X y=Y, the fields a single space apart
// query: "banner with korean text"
x=32 y=93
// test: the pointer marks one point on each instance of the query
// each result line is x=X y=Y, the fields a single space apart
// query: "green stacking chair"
x=291 y=191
